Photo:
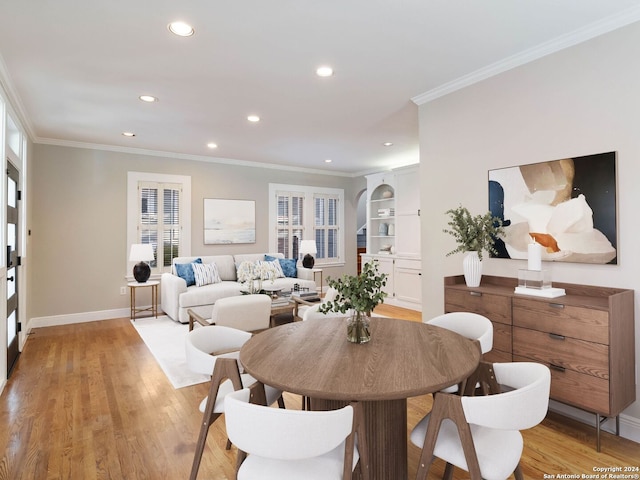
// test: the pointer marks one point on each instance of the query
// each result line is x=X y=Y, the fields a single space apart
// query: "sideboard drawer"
x=502 y=337
x=495 y=307
x=564 y=352
x=570 y=321
x=574 y=388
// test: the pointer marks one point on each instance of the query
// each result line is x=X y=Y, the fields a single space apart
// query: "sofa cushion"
x=205 y=274
x=275 y=264
x=224 y=263
x=208 y=294
x=185 y=271
x=289 y=267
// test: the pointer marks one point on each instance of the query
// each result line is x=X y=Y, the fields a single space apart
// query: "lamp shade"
x=308 y=248
x=141 y=253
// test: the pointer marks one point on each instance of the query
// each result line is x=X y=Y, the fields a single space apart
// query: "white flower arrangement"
x=260 y=270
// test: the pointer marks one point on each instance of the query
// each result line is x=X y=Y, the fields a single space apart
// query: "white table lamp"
x=308 y=249
x=142 y=253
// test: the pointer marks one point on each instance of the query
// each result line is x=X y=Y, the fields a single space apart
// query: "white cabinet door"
x=407 y=228
x=408 y=280
x=407 y=192
x=385 y=265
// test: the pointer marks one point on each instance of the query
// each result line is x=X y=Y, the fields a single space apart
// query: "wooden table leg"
x=386 y=427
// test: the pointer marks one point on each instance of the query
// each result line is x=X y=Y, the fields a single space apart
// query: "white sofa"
x=176 y=298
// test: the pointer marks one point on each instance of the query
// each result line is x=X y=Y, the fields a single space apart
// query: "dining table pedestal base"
x=386 y=430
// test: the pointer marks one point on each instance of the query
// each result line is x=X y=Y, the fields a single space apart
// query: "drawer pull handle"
x=475 y=294
x=557 y=368
x=556 y=305
x=555 y=336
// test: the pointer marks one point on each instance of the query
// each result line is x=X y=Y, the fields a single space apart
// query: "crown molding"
x=613 y=22
x=12 y=99
x=186 y=156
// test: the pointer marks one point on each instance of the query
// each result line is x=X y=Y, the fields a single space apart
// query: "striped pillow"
x=205 y=273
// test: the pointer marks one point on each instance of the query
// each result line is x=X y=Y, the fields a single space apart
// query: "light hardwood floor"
x=89 y=401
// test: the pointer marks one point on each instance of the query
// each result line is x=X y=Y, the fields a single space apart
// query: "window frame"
x=309 y=193
x=133 y=181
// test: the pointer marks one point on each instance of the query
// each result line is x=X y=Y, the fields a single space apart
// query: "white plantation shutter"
x=326 y=226
x=159 y=222
x=302 y=212
x=290 y=222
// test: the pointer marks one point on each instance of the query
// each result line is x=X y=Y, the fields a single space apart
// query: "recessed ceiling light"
x=212 y=145
x=128 y=134
x=324 y=71
x=148 y=98
x=387 y=144
x=181 y=29
x=328 y=160
x=253 y=118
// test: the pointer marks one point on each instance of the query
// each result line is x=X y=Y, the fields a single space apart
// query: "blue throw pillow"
x=289 y=267
x=185 y=270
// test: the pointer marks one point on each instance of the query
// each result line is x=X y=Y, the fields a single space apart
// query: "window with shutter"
x=294 y=219
x=155 y=216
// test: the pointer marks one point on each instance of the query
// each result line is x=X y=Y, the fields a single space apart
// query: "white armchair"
x=244 y=312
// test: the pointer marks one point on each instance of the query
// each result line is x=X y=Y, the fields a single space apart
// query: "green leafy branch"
x=477 y=232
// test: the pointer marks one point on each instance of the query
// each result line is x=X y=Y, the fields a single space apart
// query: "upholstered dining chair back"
x=292 y=444
x=481 y=434
x=467 y=324
x=214 y=351
x=519 y=409
x=244 y=312
x=204 y=347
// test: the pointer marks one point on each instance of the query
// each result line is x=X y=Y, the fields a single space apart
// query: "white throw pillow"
x=205 y=274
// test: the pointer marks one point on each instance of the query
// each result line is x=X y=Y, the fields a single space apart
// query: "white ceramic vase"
x=472 y=268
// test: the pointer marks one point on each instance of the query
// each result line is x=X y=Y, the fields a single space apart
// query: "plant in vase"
x=474 y=234
x=359 y=294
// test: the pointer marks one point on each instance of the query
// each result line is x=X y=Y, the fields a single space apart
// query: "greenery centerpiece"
x=359 y=294
x=474 y=234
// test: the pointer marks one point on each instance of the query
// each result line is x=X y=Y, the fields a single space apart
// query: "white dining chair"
x=214 y=351
x=470 y=325
x=250 y=313
x=275 y=444
x=481 y=434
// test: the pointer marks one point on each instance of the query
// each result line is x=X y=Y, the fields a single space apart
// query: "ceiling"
x=74 y=71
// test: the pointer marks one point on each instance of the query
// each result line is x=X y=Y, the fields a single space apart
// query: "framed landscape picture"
x=568 y=206
x=229 y=221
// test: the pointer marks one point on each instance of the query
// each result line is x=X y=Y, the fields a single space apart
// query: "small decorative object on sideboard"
x=534 y=280
x=358 y=294
x=474 y=234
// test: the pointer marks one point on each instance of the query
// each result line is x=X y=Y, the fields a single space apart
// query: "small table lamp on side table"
x=308 y=249
x=142 y=253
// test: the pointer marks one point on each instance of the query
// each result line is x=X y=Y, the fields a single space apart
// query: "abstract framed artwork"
x=229 y=221
x=568 y=206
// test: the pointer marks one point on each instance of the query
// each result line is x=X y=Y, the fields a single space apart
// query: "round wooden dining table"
x=402 y=360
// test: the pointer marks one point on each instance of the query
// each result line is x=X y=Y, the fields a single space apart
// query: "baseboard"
x=72 y=318
x=629 y=426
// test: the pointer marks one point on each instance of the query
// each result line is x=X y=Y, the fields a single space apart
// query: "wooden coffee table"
x=279 y=310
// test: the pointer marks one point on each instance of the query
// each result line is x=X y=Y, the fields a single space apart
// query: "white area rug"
x=165 y=339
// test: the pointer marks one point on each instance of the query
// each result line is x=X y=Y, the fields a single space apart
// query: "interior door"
x=13 y=262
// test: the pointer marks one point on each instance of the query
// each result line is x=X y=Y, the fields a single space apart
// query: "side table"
x=133 y=286
x=317 y=270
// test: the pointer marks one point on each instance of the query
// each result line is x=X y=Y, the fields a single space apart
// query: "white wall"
x=579 y=101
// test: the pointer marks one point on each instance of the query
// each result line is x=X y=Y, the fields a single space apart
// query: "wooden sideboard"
x=586 y=337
